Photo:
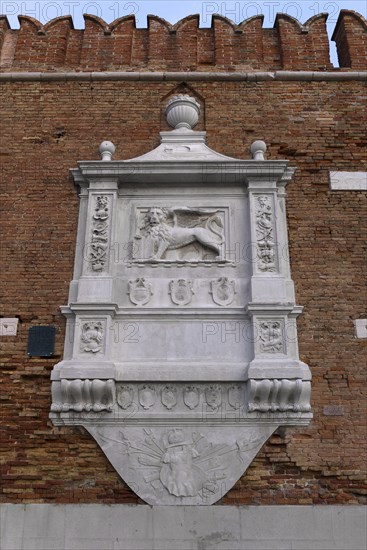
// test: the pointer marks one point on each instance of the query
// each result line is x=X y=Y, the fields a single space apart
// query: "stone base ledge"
x=127 y=527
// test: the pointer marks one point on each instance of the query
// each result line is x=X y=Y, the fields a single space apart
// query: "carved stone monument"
x=181 y=354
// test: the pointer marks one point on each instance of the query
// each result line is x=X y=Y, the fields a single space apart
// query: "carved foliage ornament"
x=266 y=260
x=97 y=253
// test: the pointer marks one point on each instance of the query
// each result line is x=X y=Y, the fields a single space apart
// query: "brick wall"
x=183 y=46
x=319 y=126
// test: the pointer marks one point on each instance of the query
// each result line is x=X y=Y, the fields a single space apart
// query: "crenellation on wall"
x=225 y=46
x=350 y=35
x=303 y=47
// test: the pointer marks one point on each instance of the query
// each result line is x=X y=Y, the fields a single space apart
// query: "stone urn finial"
x=107 y=150
x=182 y=111
x=258 y=150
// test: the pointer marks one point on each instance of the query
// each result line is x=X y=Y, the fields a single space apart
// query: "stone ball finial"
x=107 y=150
x=182 y=111
x=258 y=149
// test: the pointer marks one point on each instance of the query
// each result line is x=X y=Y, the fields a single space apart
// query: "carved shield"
x=169 y=397
x=236 y=396
x=191 y=397
x=223 y=291
x=181 y=292
x=213 y=395
x=147 y=397
x=140 y=291
x=124 y=396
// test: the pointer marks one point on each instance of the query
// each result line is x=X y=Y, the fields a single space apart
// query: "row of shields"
x=181 y=291
x=148 y=395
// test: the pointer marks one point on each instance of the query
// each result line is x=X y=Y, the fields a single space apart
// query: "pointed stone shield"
x=140 y=291
x=124 y=396
x=236 y=396
x=191 y=397
x=169 y=396
x=223 y=291
x=147 y=397
x=213 y=395
x=181 y=292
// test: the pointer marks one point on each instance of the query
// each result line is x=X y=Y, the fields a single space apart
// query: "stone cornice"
x=159 y=76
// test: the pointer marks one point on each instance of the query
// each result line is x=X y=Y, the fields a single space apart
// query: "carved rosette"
x=98 y=247
x=265 y=238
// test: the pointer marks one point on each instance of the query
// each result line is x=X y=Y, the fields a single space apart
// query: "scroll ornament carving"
x=271 y=337
x=165 y=229
x=99 y=241
x=92 y=336
x=181 y=292
x=265 y=234
x=279 y=395
x=223 y=291
x=140 y=291
x=83 y=395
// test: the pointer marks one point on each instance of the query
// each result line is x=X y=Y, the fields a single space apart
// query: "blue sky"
x=174 y=10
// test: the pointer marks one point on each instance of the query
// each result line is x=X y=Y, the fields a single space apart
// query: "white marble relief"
x=223 y=291
x=164 y=230
x=271 y=336
x=98 y=247
x=91 y=339
x=265 y=234
x=140 y=291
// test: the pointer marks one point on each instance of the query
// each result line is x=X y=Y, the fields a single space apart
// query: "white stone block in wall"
x=348 y=181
